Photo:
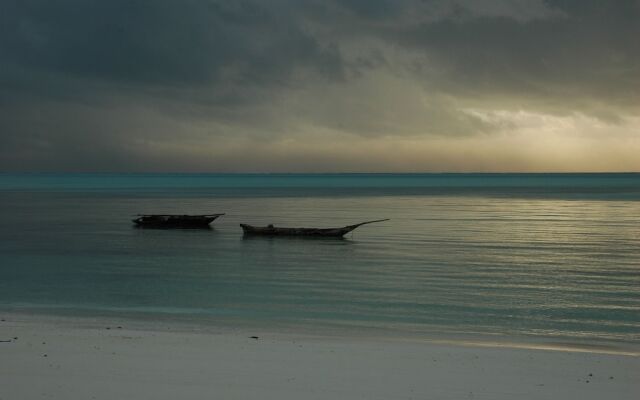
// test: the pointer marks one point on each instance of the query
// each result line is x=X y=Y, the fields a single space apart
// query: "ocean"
x=539 y=257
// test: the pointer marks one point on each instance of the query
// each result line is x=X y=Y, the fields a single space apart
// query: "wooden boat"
x=174 y=220
x=271 y=230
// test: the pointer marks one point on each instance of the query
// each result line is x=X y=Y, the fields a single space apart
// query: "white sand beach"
x=44 y=357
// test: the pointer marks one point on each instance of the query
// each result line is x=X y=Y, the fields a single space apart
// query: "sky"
x=320 y=85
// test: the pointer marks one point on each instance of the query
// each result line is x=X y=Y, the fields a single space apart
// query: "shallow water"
x=540 y=256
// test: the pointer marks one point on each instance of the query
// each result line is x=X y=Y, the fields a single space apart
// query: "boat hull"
x=175 y=221
x=300 y=232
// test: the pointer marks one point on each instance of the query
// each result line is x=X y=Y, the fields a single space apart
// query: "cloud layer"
x=311 y=85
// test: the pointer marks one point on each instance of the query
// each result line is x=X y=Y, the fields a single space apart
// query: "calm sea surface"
x=529 y=255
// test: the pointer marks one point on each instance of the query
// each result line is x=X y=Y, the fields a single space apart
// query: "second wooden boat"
x=174 y=220
x=271 y=230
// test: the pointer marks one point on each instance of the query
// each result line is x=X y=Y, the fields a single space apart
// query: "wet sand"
x=42 y=357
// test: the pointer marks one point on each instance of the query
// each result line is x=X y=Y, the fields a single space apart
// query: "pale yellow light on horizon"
x=507 y=141
x=522 y=142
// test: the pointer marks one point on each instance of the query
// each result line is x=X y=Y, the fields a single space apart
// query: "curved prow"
x=349 y=228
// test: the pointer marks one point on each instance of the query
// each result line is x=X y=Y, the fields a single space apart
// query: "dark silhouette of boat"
x=271 y=230
x=161 y=221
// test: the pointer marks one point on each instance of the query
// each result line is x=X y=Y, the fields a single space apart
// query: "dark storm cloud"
x=373 y=8
x=589 y=49
x=162 y=42
x=557 y=50
x=88 y=84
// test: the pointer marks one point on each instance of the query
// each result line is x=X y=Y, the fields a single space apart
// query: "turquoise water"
x=539 y=256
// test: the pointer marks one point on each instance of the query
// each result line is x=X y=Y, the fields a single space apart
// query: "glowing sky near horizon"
x=320 y=85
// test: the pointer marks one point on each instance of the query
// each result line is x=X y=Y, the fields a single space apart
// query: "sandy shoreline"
x=68 y=358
